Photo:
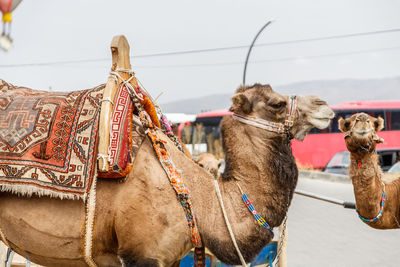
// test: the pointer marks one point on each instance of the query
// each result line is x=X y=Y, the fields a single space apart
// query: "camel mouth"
x=362 y=133
x=320 y=123
x=322 y=118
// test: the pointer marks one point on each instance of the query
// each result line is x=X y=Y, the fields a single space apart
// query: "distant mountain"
x=197 y=105
x=333 y=91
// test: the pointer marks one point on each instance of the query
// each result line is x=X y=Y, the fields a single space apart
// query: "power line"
x=270 y=43
x=273 y=60
x=207 y=50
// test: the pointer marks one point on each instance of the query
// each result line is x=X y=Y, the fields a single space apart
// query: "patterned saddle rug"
x=48 y=141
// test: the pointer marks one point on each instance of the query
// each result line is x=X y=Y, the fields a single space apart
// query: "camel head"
x=360 y=132
x=260 y=101
x=209 y=162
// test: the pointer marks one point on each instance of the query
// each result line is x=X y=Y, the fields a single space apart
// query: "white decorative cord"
x=107 y=99
x=89 y=222
x=218 y=191
x=104 y=158
x=127 y=83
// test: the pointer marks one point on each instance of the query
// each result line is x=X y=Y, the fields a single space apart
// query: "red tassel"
x=359 y=164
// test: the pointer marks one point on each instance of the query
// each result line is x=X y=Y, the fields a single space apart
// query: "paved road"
x=323 y=234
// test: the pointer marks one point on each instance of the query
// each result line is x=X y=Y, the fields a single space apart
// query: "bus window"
x=379 y=113
x=395 y=119
x=317 y=131
x=388 y=120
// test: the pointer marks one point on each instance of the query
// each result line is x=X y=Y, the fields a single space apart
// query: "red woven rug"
x=48 y=141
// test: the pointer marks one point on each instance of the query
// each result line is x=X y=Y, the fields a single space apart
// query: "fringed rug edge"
x=29 y=190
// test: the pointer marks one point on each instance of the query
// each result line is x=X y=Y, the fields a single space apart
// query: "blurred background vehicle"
x=395 y=168
x=340 y=162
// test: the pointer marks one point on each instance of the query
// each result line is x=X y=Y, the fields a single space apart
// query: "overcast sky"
x=53 y=31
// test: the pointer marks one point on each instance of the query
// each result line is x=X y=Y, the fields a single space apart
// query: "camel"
x=209 y=162
x=139 y=222
x=366 y=175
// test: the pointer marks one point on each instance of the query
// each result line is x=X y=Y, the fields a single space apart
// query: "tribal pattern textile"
x=126 y=136
x=48 y=140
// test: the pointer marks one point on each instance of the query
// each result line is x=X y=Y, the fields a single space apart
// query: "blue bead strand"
x=261 y=221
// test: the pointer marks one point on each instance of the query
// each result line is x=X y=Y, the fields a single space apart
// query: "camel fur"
x=365 y=172
x=141 y=223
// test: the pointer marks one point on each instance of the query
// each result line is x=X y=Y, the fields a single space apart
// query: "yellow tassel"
x=7 y=17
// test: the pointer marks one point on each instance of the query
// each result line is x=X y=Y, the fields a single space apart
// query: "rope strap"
x=260 y=123
x=127 y=83
x=228 y=225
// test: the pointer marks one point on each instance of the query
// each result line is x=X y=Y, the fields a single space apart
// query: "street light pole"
x=251 y=46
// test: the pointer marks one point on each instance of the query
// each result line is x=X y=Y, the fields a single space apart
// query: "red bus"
x=202 y=135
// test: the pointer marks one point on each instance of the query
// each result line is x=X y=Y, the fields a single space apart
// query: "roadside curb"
x=324 y=176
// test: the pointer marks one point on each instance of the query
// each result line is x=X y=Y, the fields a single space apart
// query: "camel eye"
x=201 y=165
x=347 y=124
x=279 y=105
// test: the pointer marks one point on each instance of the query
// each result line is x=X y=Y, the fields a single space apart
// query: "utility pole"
x=251 y=46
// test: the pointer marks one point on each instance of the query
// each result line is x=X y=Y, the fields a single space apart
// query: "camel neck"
x=261 y=161
x=263 y=165
x=366 y=177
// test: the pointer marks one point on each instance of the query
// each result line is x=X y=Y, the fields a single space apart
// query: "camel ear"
x=379 y=124
x=240 y=104
x=344 y=124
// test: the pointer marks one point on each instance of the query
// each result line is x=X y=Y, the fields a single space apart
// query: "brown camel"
x=361 y=140
x=209 y=162
x=141 y=223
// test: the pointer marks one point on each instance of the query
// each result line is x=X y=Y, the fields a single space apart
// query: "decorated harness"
x=141 y=99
